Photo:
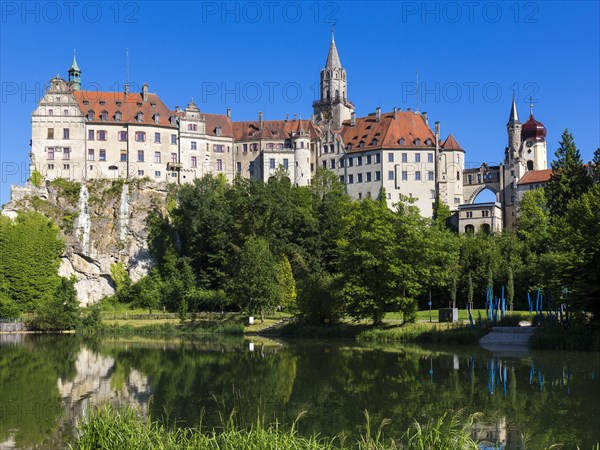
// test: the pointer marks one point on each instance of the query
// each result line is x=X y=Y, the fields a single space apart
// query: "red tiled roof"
x=536 y=176
x=212 y=121
x=272 y=129
x=451 y=144
x=129 y=106
x=388 y=132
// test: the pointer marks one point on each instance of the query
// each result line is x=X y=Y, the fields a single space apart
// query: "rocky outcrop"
x=103 y=222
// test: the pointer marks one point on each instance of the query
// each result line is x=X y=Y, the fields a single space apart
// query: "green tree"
x=319 y=299
x=441 y=214
x=569 y=179
x=286 y=283
x=470 y=290
x=255 y=285
x=510 y=288
x=61 y=312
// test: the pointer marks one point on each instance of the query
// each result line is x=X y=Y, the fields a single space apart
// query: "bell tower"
x=333 y=106
x=75 y=75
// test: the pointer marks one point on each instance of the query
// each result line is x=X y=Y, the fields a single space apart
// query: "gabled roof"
x=273 y=129
x=535 y=176
x=451 y=144
x=128 y=105
x=401 y=132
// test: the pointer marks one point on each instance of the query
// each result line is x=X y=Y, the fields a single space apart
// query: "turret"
x=75 y=75
x=513 y=128
x=301 y=144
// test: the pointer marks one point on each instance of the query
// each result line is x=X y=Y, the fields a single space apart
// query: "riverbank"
x=123 y=428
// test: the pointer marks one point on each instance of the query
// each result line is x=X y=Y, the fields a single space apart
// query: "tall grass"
x=579 y=336
x=425 y=333
x=169 y=330
x=123 y=428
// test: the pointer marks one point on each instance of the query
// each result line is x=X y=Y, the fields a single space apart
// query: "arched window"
x=469 y=229
x=337 y=94
x=417 y=141
x=401 y=141
x=529 y=165
x=104 y=115
x=118 y=116
x=91 y=115
x=328 y=95
x=139 y=116
x=485 y=228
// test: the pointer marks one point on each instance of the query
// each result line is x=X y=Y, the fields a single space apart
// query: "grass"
x=436 y=333
x=171 y=330
x=579 y=336
x=107 y=428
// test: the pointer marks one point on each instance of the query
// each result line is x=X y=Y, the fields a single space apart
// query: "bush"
x=61 y=311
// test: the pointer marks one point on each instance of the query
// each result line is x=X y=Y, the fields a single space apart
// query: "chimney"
x=395 y=109
x=424 y=114
x=145 y=92
x=126 y=89
x=260 y=124
x=177 y=108
x=287 y=117
x=378 y=114
x=352 y=118
x=408 y=109
x=229 y=113
x=437 y=131
x=294 y=117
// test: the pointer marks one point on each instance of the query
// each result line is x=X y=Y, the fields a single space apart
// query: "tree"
x=596 y=166
x=319 y=299
x=510 y=288
x=569 y=179
x=61 y=312
x=533 y=220
x=255 y=285
x=286 y=283
x=470 y=290
x=441 y=214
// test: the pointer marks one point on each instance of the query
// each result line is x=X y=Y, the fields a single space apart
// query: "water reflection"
x=47 y=382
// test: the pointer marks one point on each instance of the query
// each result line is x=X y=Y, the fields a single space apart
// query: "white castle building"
x=81 y=135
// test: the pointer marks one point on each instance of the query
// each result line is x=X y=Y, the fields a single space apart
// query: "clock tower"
x=333 y=106
x=533 y=136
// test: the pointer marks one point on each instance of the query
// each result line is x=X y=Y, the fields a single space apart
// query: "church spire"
x=514 y=115
x=333 y=59
x=75 y=74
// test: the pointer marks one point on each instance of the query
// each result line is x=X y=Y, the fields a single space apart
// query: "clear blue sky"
x=266 y=56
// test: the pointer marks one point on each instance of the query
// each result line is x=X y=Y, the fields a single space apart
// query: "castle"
x=83 y=135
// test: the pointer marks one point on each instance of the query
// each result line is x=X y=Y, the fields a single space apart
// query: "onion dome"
x=532 y=129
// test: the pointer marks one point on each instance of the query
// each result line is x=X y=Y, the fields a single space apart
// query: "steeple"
x=514 y=115
x=75 y=74
x=333 y=59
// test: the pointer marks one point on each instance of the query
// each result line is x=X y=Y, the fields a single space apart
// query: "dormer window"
x=156 y=118
x=374 y=142
x=104 y=115
x=361 y=144
x=153 y=105
x=428 y=142
x=401 y=141
x=118 y=116
x=218 y=131
x=139 y=117
x=173 y=120
x=102 y=103
x=139 y=104
x=119 y=103
x=86 y=102
x=91 y=115
x=349 y=146
x=417 y=141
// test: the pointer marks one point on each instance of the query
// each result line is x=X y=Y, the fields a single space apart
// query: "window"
x=368 y=177
x=173 y=157
x=218 y=148
x=65 y=112
x=220 y=165
x=418 y=175
x=101 y=135
x=50 y=133
x=140 y=156
x=377 y=158
x=118 y=116
x=286 y=163
x=140 y=173
x=251 y=168
x=432 y=194
x=104 y=115
x=139 y=117
x=156 y=116
x=123 y=155
x=193 y=145
x=341 y=162
x=90 y=135
x=324 y=164
x=359 y=160
x=65 y=133
x=238 y=167
x=157 y=138
x=157 y=157
x=194 y=162
x=360 y=195
x=157 y=173
x=368 y=159
x=50 y=166
x=359 y=178
x=51 y=153
x=102 y=155
x=66 y=153
x=350 y=162
x=390 y=157
x=91 y=115
x=272 y=163
x=192 y=127
x=417 y=141
x=458 y=175
x=91 y=154
x=378 y=175
x=430 y=157
x=404 y=175
x=332 y=164
x=66 y=166
x=245 y=147
x=255 y=147
x=417 y=157
x=404 y=157
x=350 y=179
x=390 y=174
x=140 y=136
x=430 y=176
x=456 y=200
x=174 y=139
x=122 y=136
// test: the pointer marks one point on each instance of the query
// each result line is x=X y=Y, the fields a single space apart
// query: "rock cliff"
x=103 y=223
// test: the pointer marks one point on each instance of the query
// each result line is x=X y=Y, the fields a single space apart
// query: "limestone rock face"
x=103 y=225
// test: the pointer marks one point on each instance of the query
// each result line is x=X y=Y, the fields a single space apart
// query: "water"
x=47 y=383
x=83 y=221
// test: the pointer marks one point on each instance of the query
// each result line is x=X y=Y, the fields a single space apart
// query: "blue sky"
x=266 y=56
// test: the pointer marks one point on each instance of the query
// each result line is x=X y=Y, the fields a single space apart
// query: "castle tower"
x=333 y=106
x=75 y=75
x=301 y=144
x=514 y=132
x=533 y=136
